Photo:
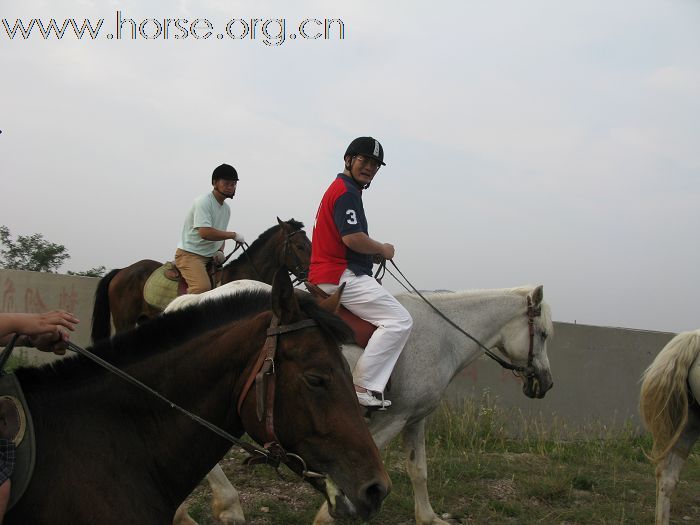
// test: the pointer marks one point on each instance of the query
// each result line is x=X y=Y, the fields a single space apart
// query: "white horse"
x=434 y=354
x=672 y=378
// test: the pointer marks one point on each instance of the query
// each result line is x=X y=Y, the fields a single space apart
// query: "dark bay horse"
x=109 y=453
x=119 y=294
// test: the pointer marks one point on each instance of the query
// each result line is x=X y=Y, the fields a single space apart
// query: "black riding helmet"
x=367 y=147
x=225 y=171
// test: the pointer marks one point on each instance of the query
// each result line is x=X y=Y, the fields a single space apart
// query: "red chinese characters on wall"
x=8 y=296
x=34 y=302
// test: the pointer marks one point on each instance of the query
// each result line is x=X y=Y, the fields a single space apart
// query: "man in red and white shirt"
x=342 y=252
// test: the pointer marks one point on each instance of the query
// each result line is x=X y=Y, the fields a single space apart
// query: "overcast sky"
x=527 y=142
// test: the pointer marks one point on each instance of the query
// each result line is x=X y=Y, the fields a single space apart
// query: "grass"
x=478 y=474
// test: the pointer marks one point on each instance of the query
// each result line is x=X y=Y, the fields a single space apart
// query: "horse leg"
x=323 y=517
x=669 y=468
x=417 y=467
x=225 y=503
x=182 y=516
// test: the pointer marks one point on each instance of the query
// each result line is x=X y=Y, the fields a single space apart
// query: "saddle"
x=16 y=426
x=166 y=283
x=362 y=330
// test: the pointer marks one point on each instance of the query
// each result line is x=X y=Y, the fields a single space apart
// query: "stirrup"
x=383 y=407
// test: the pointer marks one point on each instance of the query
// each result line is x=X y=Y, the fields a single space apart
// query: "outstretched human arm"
x=41 y=330
x=212 y=234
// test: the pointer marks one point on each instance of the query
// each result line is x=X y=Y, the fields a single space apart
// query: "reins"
x=531 y=314
x=272 y=453
x=238 y=245
x=7 y=352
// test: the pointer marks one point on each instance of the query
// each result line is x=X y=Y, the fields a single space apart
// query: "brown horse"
x=120 y=292
x=111 y=453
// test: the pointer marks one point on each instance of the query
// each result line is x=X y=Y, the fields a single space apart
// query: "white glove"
x=239 y=238
x=218 y=258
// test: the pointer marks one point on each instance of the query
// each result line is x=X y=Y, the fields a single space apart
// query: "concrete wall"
x=596 y=369
x=41 y=292
x=596 y=372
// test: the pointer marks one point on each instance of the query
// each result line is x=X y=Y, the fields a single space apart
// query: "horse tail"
x=101 y=321
x=663 y=401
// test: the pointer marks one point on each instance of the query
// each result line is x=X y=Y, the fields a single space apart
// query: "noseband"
x=264 y=377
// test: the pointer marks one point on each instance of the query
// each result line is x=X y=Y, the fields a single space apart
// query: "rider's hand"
x=218 y=258
x=239 y=238
x=387 y=251
x=51 y=342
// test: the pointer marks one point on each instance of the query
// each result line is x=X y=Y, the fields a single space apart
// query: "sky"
x=541 y=142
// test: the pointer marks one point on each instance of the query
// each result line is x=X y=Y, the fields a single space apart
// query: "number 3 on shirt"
x=352 y=216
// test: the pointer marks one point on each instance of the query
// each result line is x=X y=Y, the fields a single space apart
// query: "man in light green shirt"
x=205 y=230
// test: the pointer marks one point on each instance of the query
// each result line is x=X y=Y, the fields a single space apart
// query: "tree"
x=30 y=252
x=99 y=271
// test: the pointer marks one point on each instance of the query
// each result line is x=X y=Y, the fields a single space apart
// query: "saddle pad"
x=16 y=425
x=159 y=290
x=362 y=330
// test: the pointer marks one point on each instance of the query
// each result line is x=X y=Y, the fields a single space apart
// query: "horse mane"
x=172 y=330
x=265 y=236
x=544 y=320
x=663 y=400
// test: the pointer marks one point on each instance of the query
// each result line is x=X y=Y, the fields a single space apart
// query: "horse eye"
x=544 y=335
x=315 y=380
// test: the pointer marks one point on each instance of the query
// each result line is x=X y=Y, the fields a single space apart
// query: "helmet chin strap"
x=227 y=195
x=349 y=168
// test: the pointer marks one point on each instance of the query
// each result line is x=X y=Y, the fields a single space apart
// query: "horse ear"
x=332 y=302
x=286 y=227
x=284 y=301
x=537 y=295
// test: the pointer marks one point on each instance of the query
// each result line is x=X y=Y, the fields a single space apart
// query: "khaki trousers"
x=193 y=268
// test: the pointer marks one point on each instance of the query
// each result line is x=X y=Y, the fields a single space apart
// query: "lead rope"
x=505 y=364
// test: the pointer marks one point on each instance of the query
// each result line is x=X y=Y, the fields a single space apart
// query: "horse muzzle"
x=368 y=503
x=536 y=385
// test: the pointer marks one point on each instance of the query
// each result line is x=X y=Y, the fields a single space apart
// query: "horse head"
x=296 y=248
x=315 y=414
x=524 y=342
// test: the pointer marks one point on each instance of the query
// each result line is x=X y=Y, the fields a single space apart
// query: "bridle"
x=528 y=370
x=532 y=312
x=298 y=270
x=265 y=379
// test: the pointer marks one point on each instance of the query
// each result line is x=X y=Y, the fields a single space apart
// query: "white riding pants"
x=367 y=299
